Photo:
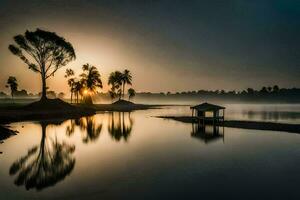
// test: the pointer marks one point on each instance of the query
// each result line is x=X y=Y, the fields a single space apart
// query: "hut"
x=207 y=112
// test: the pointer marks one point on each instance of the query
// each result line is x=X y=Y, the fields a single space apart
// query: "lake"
x=137 y=156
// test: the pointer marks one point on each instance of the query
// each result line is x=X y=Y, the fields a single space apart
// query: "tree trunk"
x=123 y=90
x=71 y=96
x=44 y=88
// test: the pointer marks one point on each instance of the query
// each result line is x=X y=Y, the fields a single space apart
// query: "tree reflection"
x=44 y=165
x=120 y=125
x=90 y=130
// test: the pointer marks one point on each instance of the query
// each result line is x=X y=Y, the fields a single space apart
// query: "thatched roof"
x=207 y=107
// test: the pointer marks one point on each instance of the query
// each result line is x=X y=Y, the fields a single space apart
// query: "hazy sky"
x=168 y=45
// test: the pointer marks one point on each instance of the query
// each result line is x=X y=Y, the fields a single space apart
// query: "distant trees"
x=61 y=95
x=13 y=85
x=115 y=81
x=44 y=52
x=250 y=90
x=275 y=88
x=131 y=93
x=118 y=80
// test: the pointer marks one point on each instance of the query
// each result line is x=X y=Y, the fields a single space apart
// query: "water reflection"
x=90 y=130
x=45 y=164
x=207 y=133
x=120 y=125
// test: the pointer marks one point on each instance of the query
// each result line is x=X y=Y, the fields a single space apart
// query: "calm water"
x=136 y=156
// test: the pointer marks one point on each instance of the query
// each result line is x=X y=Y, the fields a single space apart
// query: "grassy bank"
x=41 y=110
x=58 y=109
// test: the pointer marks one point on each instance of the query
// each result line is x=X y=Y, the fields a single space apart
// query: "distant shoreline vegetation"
x=265 y=94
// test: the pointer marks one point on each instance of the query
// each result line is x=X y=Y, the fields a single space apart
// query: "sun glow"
x=86 y=92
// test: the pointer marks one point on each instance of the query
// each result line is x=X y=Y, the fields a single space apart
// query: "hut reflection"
x=207 y=133
x=90 y=129
x=120 y=125
x=45 y=164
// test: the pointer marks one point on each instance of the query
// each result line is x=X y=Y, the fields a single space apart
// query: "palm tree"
x=71 y=81
x=115 y=80
x=91 y=80
x=12 y=84
x=43 y=52
x=126 y=79
x=112 y=94
x=131 y=93
x=78 y=88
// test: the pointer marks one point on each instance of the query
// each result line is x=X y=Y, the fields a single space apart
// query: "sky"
x=168 y=45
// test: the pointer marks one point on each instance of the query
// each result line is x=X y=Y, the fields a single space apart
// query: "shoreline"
x=19 y=114
x=124 y=108
x=254 y=125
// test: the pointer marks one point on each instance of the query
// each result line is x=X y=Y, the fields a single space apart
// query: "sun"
x=85 y=92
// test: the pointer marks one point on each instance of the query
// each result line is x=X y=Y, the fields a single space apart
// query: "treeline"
x=265 y=94
x=25 y=94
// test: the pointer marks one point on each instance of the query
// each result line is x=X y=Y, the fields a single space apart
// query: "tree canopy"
x=44 y=52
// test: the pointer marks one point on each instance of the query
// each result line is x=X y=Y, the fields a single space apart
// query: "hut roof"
x=207 y=107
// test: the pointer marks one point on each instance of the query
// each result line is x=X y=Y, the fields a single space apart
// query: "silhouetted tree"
x=112 y=94
x=91 y=79
x=275 y=88
x=13 y=85
x=131 y=93
x=263 y=90
x=71 y=81
x=126 y=79
x=78 y=89
x=269 y=89
x=44 y=52
x=115 y=80
x=250 y=91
